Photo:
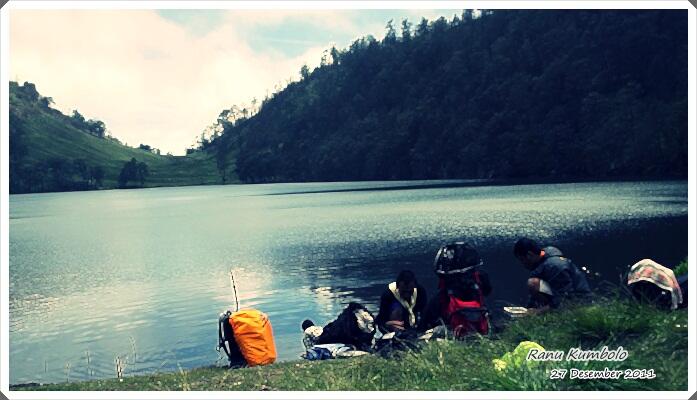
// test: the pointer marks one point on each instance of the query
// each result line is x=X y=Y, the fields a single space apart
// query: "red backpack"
x=456 y=267
x=464 y=316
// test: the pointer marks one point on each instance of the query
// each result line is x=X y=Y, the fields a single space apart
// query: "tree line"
x=56 y=174
x=505 y=94
x=133 y=171
x=53 y=174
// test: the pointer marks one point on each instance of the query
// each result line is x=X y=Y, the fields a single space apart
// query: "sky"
x=160 y=77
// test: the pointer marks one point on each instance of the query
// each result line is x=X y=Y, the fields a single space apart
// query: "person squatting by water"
x=401 y=304
x=459 y=304
x=458 y=308
x=553 y=277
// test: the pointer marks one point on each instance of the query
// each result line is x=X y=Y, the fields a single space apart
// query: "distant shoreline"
x=436 y=183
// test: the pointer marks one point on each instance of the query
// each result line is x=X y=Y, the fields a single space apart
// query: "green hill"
x=50 y=151
x=539 y=94
x=522 y=94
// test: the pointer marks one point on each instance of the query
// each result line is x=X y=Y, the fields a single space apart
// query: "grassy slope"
x=48 y=136
x=654 y=339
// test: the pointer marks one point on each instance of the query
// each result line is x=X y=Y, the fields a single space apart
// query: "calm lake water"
x=100 y=275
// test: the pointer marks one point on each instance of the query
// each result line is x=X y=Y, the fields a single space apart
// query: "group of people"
x=457 y=309
x=459 y=303
x=463 y=286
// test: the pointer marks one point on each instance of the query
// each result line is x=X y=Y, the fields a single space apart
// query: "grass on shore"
x=654 y=339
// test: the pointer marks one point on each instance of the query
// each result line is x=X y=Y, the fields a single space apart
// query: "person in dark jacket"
x=401 y=304
x=355 y=326
x=553 y=277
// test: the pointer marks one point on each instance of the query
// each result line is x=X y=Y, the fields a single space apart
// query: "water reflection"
x=107 y=272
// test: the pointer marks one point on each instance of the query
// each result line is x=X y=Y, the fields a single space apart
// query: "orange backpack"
x=254 y=336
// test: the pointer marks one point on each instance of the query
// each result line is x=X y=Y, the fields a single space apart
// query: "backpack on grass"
x=247 y=338
x=226 y=341
x=464 y=316
x=461 y=289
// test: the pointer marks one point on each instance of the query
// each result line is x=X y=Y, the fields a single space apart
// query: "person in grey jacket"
x=553 y=277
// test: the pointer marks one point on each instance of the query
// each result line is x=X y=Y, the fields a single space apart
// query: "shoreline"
x=437 y=183
x=452 y=365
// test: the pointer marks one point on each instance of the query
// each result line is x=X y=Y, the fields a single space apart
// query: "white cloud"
x=148 y=79
x=152 y=80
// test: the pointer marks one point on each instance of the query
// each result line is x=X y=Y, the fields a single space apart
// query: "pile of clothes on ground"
x=353 y=333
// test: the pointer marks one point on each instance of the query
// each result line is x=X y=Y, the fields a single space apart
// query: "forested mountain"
x=508 y=94
x=544 y=94
x=50 y=151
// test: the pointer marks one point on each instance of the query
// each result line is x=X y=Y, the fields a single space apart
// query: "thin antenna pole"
x=234 y=291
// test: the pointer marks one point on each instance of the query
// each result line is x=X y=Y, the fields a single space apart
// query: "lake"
x=143 y=274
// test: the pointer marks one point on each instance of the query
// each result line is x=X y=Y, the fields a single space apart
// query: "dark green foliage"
x=93 y=126
x=96 y=127
x=511 y=94
x=681 y=269
x=18 y=149
x=133 y=171
x=50 y=151
x=97 y=174
x=54 y=174
x=27 y=91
